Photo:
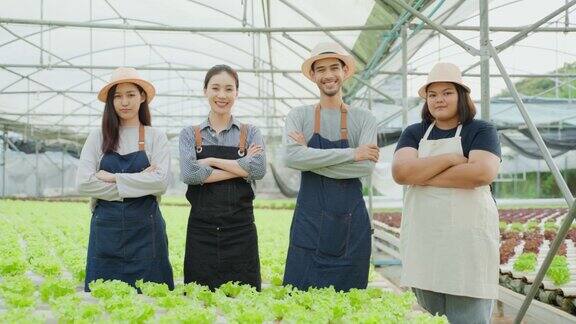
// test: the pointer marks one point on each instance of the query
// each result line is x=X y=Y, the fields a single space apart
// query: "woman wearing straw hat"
x=334 y=147
x=449 y=241
x=218 y=159
x=125 y=168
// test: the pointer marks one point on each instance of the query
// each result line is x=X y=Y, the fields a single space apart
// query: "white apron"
x=449 y=240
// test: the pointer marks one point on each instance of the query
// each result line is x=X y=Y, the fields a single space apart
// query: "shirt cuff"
x=121 y=186
x=205 y=174
x=244 y=163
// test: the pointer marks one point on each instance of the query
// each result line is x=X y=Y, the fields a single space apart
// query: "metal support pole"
x=268 y=22
x=62 y=170
x=521 y=35
x=404 y=77
x=370 y=190
x=566 y=16
x=484 y=61
x=4 y=150
x=532 y=128
x=404 y=35
x=559 y=181
x=554 y=246
x=326 y=31
x=387 y=97
x=36 y=148
x=249 y=70
x=538 y=182
x=470 y=49
x=129 y=27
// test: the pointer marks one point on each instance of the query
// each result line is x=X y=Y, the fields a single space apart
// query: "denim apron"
x=330 y=235
x=128 y=238
x=221 y=240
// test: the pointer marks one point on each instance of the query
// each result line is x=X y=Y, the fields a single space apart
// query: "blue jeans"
x=458 y=309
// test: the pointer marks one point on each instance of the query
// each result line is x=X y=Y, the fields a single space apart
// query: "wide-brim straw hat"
x=328 y=50
x=443 y=72
x=125 y=75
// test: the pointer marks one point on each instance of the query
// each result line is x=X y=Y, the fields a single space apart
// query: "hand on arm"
x=87 y=181
x=297 y=155
x=409 y=169
x=232 y=166
x=228 y=169
x=367 y=152
x=364 y=152
x=111 y=177
x=481 y=170
x=220 y=175
x=154 y=179
x=105 y=176
x=191 y=171
x=365 y=155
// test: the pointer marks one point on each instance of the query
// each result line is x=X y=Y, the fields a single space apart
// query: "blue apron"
x=330 y=235
x=128 y=238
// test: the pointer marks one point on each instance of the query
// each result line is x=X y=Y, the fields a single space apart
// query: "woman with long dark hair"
x=449 y=241
x=218 y=159
x=124 y=167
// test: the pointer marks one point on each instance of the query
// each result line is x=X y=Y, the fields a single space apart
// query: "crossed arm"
x=336 y=163
x=228 y=169
x=445 y=170
x=209 y=170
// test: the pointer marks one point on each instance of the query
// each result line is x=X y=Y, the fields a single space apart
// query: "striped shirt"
x=193 y=173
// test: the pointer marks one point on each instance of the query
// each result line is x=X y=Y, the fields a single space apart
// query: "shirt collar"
x=233 y=122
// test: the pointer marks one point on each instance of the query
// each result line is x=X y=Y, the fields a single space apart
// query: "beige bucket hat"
x=124 y=75
x=443 y=72
x=328 y=50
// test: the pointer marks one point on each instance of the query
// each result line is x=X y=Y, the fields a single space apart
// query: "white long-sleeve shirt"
x=128 y=185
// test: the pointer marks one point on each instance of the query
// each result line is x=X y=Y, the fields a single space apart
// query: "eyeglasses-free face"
x=221 y=92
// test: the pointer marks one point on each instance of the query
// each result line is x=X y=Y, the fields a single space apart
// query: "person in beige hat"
x=333 y=146
x=125 y=167
x=449 y=241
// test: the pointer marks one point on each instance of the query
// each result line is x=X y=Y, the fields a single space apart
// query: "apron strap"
x=343 y=121
x=243 y=138
x=458 y=130
x=317 y=119
x=141 y=138
x=429 y=130
x=197 y=139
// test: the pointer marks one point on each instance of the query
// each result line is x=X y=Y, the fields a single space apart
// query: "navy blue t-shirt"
x=476 y=135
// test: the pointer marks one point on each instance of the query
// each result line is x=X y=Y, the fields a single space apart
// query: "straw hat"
x=443 y=72
x=328 y=50
x=123 y=75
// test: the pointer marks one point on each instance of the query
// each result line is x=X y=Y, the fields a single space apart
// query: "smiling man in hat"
x=334 y=146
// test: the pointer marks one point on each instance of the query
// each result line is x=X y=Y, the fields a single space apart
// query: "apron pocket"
x=108 y=240
x=140 y=239
x=334 y=233
x=305 y=228
x=218 y=197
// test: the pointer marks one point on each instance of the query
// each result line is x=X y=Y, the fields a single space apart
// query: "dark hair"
x=111 y=121
x=216 y=69
x=341 y=62
x=465 y=106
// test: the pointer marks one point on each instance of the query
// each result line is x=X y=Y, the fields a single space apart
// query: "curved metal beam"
x=329 y=34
